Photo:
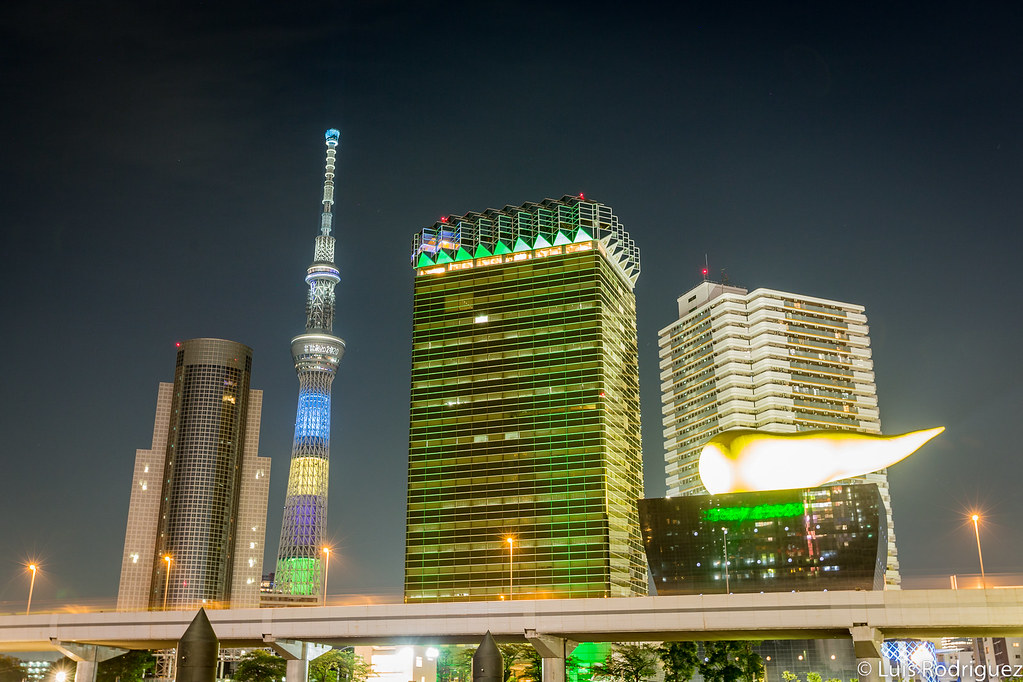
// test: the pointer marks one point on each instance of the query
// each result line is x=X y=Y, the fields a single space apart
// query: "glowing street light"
x=166 y=580
x=31 y=586
x=61 y=676
x=724 y=535
x=326 y=568
x=511 y=554
x=976 y=531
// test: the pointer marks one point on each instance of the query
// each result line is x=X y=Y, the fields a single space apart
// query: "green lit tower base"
x=524 y=450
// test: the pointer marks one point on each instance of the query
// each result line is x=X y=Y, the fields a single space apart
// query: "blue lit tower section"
x=317 y=354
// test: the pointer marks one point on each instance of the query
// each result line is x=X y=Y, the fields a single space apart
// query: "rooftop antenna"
x=333 y=137
x=724 y=277
x=706 y=267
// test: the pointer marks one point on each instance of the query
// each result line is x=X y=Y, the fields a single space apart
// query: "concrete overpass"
x=553 y=626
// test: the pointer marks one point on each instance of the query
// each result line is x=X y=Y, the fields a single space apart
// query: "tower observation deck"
x=317 y=354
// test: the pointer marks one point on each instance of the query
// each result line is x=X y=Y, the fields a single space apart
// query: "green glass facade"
x=525 y=412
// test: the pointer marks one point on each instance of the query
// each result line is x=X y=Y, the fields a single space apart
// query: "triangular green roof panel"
x=520 y=245
x=561 y=238
x=482 y=252
x=424 y=261
x=501 y=248
x=462 y=254
x=541 y=243
x=582 y=236
x=443 y=257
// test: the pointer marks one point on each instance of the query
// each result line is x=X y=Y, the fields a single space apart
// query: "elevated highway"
x=550 y=625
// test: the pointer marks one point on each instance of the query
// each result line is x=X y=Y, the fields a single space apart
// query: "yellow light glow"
x=743 y=460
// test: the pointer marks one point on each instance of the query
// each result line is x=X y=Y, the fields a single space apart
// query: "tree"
x=11 y=669
x=339 y=665
x=628 y=663
x=130 y=667
x=454 y=664
x=260 y=666
x=679 y=659
x=522 y=656
x=731 y=661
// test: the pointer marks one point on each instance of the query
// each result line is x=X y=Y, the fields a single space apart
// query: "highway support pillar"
x=867 y=647
x=87 y=657
x=297 y=654
x=554 y=651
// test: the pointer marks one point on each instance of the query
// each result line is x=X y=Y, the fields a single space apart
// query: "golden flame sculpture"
x=744 y=460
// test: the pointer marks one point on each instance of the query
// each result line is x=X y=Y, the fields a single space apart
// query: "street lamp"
x=724 y=534
x=166 y=580
x=976 y=531
x=511 y=554
x=31 y=586
x=326 y=569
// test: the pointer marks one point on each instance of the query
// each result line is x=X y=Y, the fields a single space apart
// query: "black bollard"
x=198 y=649
x=487 y=663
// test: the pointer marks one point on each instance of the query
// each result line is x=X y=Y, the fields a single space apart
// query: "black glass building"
x=828 y=538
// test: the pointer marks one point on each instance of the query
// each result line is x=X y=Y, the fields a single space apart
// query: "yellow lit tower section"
x=524 y=449
x=317 y=354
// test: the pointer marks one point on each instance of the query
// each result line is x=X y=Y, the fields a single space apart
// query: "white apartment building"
x=766 y=360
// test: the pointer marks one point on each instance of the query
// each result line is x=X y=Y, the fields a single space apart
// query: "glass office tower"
x=524 y=449
x=196 y=521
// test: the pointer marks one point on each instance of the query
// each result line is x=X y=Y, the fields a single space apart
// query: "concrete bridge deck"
x=798 y=615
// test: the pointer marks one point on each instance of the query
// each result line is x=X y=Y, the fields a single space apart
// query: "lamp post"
x=166 y=580
x=326 y=569
x=976 y=531
x=511 y=553
x=31 y=586
x=724 y=534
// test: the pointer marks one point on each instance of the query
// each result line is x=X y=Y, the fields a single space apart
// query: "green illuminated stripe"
x=755 y=513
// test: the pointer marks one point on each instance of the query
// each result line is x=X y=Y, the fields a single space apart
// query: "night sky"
x=162 y=174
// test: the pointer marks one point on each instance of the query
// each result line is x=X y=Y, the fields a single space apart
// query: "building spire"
x=333 y=139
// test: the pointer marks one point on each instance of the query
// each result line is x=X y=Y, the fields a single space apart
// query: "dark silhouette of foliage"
x=628 y=663
x=11 y=669
x=455 y=664
x=131 y=667
x=260 y=666
x=680 y=660
x=731 y=661
x=339 y=665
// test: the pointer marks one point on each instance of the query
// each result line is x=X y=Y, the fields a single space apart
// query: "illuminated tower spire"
x=317 y=354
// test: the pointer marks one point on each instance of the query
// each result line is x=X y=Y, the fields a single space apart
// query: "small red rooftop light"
x=177 y=344
x=581 y=195
x=444 y=219
x=704 y=271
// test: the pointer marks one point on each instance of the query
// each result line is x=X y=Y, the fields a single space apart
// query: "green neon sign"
x=757 y=512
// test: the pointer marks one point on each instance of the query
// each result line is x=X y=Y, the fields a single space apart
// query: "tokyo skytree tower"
x=317 y=354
